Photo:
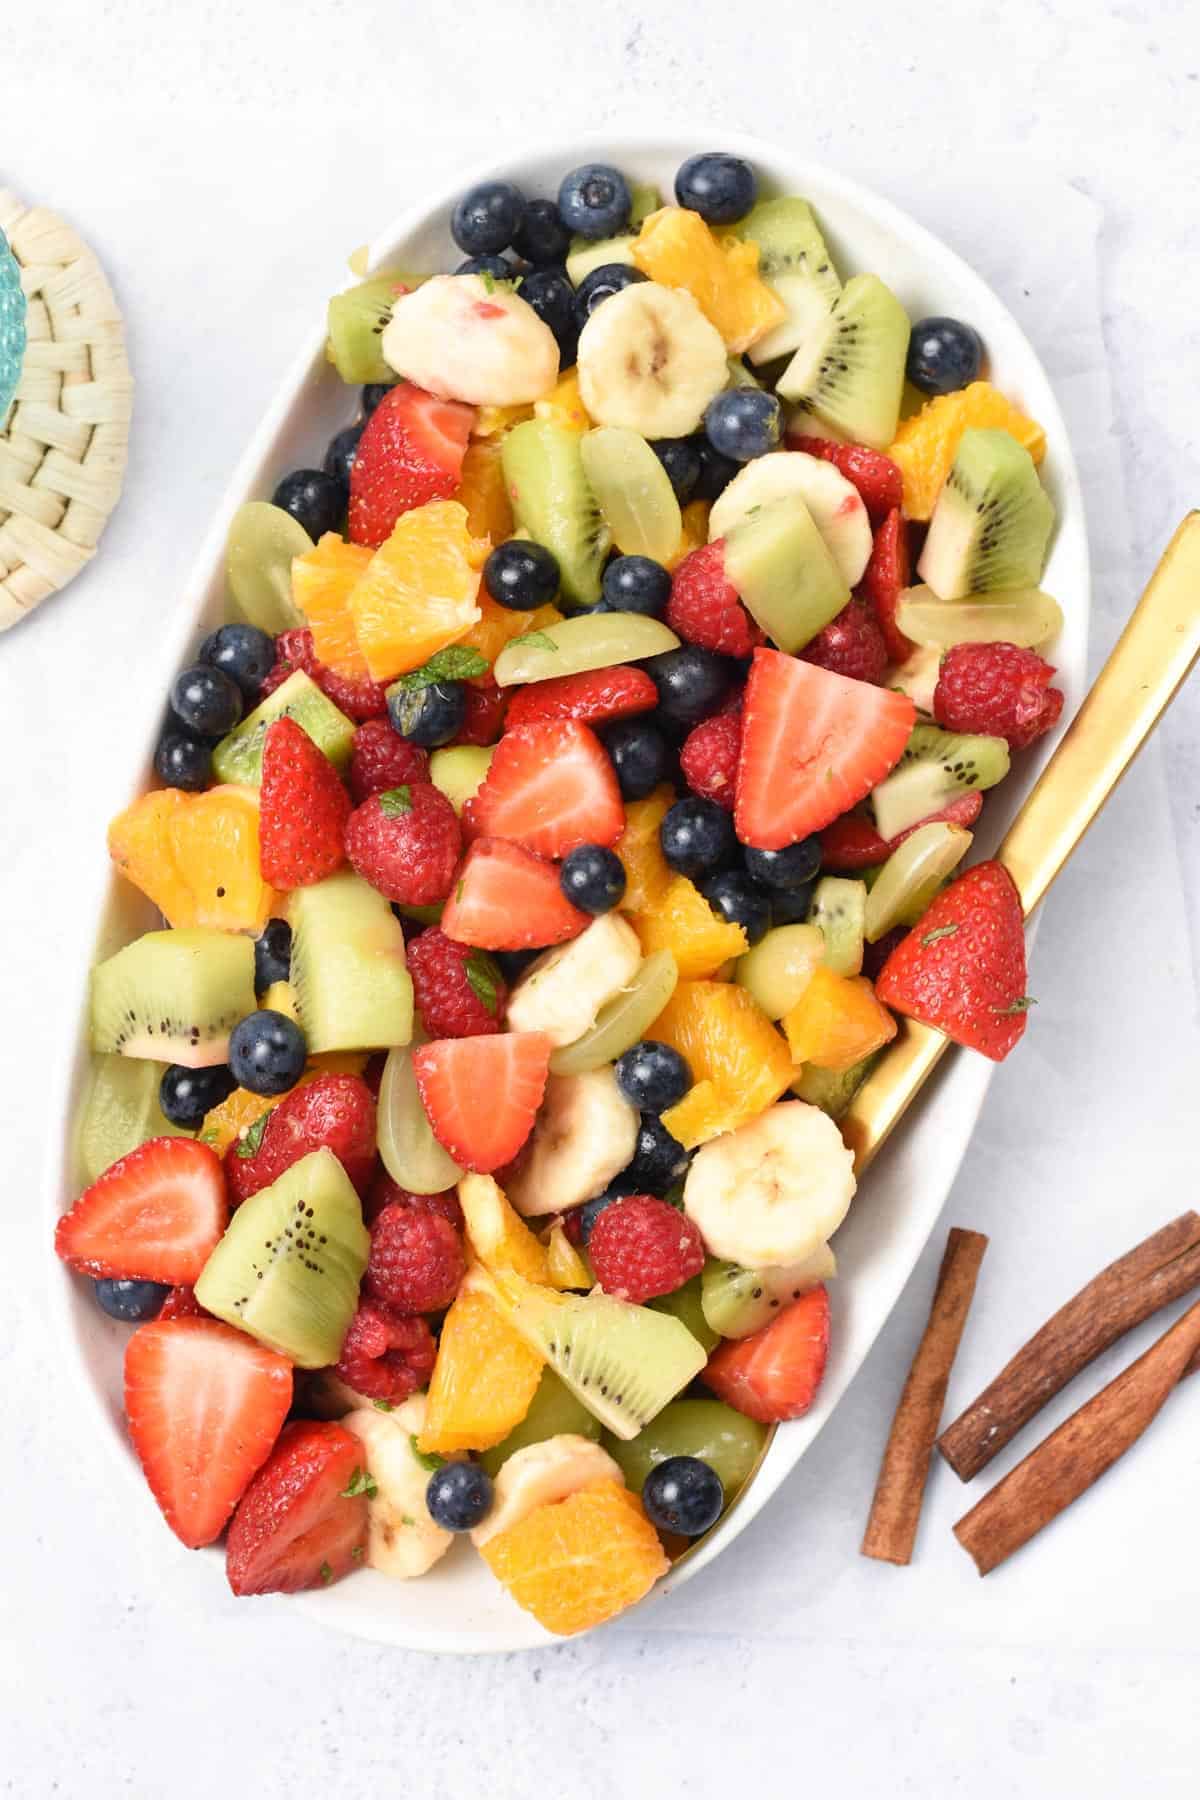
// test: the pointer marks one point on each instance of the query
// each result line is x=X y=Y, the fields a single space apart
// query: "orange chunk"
x=494 y=421
x=496 y=1232
x=563 y=405
x=837 y=1021
x=483 y=493
x=483 y=1381
x=232 y=1118
x=927 y=444
x=647 y=875
x=580 y=1561
x=497 y=625
x=322 y=581
x=740 y=1065
x=684 y=923
x=695 y=530
x=420 y=589
x=196 y=857
x=676 y=247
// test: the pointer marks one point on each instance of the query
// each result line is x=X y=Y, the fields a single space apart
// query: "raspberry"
x=641 y=1247
x=386 y=1192
x=386 y=1356
x=459 y=992
x=704 y=609
x=486 y=707
x=357 y=696
x=997 y=690
x=878 y=480
x=852 y=644
x=382 y=759
x=406 y=842
x=709 y=758
x=416 y=1263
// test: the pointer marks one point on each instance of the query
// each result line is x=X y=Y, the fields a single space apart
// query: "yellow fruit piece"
x=225 y=1123
x=567 y=1267
x=483 y=493
x=926 y=445
x=675 y=247
x=483 y=1381
x=322 y=582
x=196 y=857
x=494 y=421
x=280 y=997
x=695 y=530
x=563 y=405
x=420 y=589
x=740 y=1065
x=685 y=924
x=837 y=1021
x=647 y=875
x=497 y=625
x=497 y=1234
x=581 y=1561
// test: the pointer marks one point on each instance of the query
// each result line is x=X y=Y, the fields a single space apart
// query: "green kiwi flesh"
x=936 y=766
x=173 y=996
x=839 y=909
x=121 y=1112
x=238 y=757
x=849 y=371
x=784 y=573
x=554 y=505
x=991 y=522
x=587 y=254
x=795 y=264
x=552 y=1411
x=356 y=321
x=353 y=988
x=832 y=1089
x=737 y=1301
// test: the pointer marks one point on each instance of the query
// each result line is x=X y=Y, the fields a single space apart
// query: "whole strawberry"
x=386 y=1355
x=998 y=690
x=852 y=644
x=641 y=1247
x=406 y=842
x=458 y=991
x=383 y=1191
x=382 y=759
x=356 y=695
x=416 y=1263
x=704 y=608
x=302 y=809
x=709 y=758
x=334 y=1112
x=410 y=452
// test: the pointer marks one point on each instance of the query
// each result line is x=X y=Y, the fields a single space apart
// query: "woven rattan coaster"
x=64 y=444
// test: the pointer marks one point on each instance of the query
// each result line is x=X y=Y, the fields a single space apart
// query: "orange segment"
x=695 y=530
x=419 y=591
x=494 y=421
x=563 y=405
x=483 y=1381
x=496 y=625
x=684 y=923
x=647 y=876
x=677 y=248
x=196 y=857
x=581 y=1561
x=739 y=1062
x=837 y=1021
x=225 y=1123
x=926 y=444
x=497 y=1234
x=483 y=493
x=322 y=580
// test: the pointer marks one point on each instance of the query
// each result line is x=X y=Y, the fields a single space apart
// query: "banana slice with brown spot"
x=649 y=360
x=773 y=1190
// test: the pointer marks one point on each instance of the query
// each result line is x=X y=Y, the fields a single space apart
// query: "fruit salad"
x=546 y=847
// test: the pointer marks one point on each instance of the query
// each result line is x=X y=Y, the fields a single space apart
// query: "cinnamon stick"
x=1158 y=1271
x=896 y=1509
x=1066 y=1463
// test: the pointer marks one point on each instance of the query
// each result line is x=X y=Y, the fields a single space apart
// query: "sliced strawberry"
x=774 y=1373
x=885 y=578
x=878 y=479
x=481 y=1094
x=302 y=810
x=181 y=1303
x=205 y=1404
x=304 y=1516
x=852 y=841
x=155 y=1215
x=411 y=451
x=505 y=898
x=594 y=697
x=550 y=787
x=813 y=745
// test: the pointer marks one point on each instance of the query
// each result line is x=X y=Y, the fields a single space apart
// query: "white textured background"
x=223 y=161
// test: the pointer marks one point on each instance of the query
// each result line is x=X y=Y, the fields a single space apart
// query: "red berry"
x=877 y=478
x=334 y=1112
x=299 y=1524
x=386 y=1192
x=481 y=1094
x=884 y=579
x=487 y=707
x=382 y=759
x=704 y=608
x=709 y=758
x=406 y=842
x=551 y=788
x=852 y=841
x=774 y=1373
x=416 y=1263
x=156 y=1214
x=385 y=1355
x=852 y=644
x=594 y=697
x=410 y=452
x=181 y=1303
x=458 y=991
x=506 y=898
x=302 y=810
x=356 y=695
x=641 y=1247
x=998 y=690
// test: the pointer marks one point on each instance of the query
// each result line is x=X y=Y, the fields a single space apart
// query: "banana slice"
x=773 y=1190
x=835 y=503
x=460 y=341
x=585 y=1134
x=649 y=360
x=402 y=1539
x=562 y=992
x=542 y=1475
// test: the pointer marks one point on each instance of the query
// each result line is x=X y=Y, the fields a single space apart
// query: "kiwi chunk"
x=737 y=1301
x=849 y=370
x=784 y=573
x=587 y=254
x=173 y=996
x=833 y=1089
x=992 y=520
x=356 y=321
x=795 y=264
x=288 y=1267
x=839 y=908
x=353 y=988
x=554 y=504
x=552 y=1411
x=935 y=767
x=121 y=1111
x=623 y=1362
x=238 y=757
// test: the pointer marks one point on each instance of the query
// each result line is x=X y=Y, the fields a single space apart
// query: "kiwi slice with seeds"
x=935 y=766
x=991 y=522
x=794 y=262
x=173 y=996
x=833 y=1089
x=553 y=504
x=839 y=909
x=356 y=321
x=238 y=757
x=850 y=368
x=353 y=989
x=737 y=1301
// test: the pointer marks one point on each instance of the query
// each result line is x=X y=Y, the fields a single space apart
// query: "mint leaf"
x=326 y=1574
x=488 y=280
x=361 y=1482
x=249 y=1145
x=407 y=1519
x=541 y=640
x=427 y=1458
x=484 y=980
x=383 y=1405
x=395 y=802
x=457 y=662
x=1018 y=1006
x=938 y=932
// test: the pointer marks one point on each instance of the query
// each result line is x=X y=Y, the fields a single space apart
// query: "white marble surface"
x=224 y=163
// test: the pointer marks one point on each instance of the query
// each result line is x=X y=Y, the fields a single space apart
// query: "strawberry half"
x=302 y=1522
x=550 y=787
x=813 y=745
x=334 y=1112
x=962 y=968
x=155 y=1215
x=411 y=451
x=594 y=697
x=852 y=841
x=302 y=810
x=506 y=898
x=887 y=574
x=481 y=1094
x=774 y=1373
x=205 y=1404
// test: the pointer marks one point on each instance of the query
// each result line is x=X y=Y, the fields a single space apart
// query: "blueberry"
x=541 y=238
x=721 y=188
x=636 y=584
x=521 y=574
x=513 y=963
x=183 y=761
x=790 y=906
x=373 y=393
x=243 y=652
x=272 y=954
x=601 y=284
x=696 y=836
x=716 y=471
x=639 y=755
x=594 y=200
x=796 y=865
x=553 y=300
x=487 y=218
x=743 y=423
x=340 y=454
x=498 y=267
x=659 y=1161
x=681 y=459
x=185 y=1095
x=592 y=879
x=206 y=701
x=459 y=1496
x=131 y=1301
x=683 y=1495
x=429 y=715
x=316 y=500
x=267 y=1052
x=739 y=900
x=652 y=1076
x=943 y=355
x=690 y=683
x=591 y=1210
